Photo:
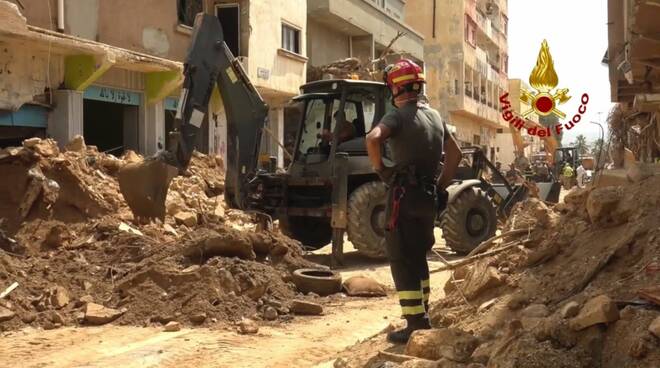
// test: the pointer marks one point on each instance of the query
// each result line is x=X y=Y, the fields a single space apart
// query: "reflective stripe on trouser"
x=426 y=293
x=411 y=302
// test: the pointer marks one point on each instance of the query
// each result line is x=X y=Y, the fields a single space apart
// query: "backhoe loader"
x=329 y=189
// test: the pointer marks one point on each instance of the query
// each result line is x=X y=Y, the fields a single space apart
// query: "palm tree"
x=581 y=144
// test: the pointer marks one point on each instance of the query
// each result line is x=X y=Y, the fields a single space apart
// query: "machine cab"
x=336 y=116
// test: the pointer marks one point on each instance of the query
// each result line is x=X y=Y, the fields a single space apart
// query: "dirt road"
x=303 y=342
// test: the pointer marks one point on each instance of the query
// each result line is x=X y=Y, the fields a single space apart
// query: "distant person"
x=580 y=176
x=346 y=131
x=512 y=174
x=567 y=175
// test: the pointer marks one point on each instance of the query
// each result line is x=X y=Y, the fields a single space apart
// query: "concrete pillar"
x=135 y=132
x=66 y=120
x=363 y=47
x=276 y=126
x=154 y=134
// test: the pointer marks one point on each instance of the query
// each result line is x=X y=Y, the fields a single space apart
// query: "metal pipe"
x=60 y=15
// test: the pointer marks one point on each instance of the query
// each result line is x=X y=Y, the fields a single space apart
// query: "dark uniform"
x=416 y=142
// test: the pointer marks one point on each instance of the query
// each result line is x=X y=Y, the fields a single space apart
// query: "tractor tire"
x=312 y=232
x=468 y=220
x=366 y=219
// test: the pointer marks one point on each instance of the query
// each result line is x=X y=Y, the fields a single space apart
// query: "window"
x=290 y=39
x=505 y=24
x=187 y=10
x=476 y=140
x=505 y=63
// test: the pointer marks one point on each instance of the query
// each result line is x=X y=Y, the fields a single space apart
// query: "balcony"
x=361 y=18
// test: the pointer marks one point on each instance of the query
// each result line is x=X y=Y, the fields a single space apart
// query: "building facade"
x=267 y=36
x=339 y=29
x=466 y=61
x=512 y=141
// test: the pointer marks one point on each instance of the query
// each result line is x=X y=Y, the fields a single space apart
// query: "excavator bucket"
x=144 y=186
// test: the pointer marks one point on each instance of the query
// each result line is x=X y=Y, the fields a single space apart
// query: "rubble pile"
x=349 y=68
x=69 y=243
x=580 y=288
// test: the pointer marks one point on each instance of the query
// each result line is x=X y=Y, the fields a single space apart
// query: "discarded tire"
x=469 y=220
x=321 y=282
x=366 y=219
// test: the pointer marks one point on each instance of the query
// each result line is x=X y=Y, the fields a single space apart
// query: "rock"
x=96 y=314
x=600 y=309
x=59 y=297
x=577 y=197
x=270 y=313
x=641 y=346
x=186 y=218
x=172 y=326
x=56 y=318
x=86 y=299
x=247 y=326
x=198 y=318
x=87 y=285
x=170 y=230
x=128 y=229
x=219 y=210
x=447 y=343
x=535 y=311
x=48 y=325
x=570 y=309
x=111 y=163
x=31 y=142
x=46 y=148
x=306 y=308
x=363 y=286
x=77 y=144
x=601 y=202
x=131 y=157
x=654 y=327
x=28 y=317
x=608 y=178
x=483 y=352
x=6 y=314
x=211 y=243
x=517 y=301
x=481 y=278
x=419 y=363
x=639 y=171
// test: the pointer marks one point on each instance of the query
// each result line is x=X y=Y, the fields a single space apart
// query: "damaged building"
x=634 y=66
x=90 y=67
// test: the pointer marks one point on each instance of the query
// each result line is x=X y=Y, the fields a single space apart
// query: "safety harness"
x=403 y=177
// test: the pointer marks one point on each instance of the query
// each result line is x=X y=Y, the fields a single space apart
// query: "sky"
x=576 y=31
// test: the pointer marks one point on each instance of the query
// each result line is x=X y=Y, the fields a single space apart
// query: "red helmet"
x=403 y=72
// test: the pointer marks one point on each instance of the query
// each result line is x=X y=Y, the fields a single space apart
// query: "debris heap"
x=574 y=285
x=70 y=252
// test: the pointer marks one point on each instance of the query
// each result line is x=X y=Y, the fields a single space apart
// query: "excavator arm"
x=209 y=63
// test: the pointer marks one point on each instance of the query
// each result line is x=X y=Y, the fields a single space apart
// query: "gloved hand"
x=385 y=174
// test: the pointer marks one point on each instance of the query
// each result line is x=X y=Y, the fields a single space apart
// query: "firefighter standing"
x=416 y=136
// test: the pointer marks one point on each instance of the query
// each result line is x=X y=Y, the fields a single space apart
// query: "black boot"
x=417 y=322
